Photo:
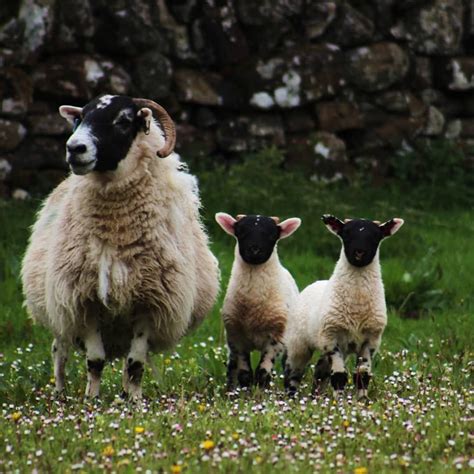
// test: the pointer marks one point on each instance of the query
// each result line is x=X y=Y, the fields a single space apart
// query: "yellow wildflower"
x=123 y=462
x=139 y=429
x=176 y=469
x=201 y=407
x=52 y=380
x=16 y=416
x=208 y=444
x=258 y=459
x=346 y=424
x=360 y=470
x=167 y=361
x=235 y=436
x=108 y=451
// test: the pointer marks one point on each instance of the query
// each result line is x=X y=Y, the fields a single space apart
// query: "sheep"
x=118 y=260
x=259 y=296
x=343 y=315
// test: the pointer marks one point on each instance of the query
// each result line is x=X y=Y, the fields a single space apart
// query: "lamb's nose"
x=359 y=254
x=254 y=250
x=76 y=148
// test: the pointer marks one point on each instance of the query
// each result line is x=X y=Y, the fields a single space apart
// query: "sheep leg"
x=338 y=371
x=295 y=366
x=132 y=380
x=95 y=359
x=363 y=372
x=59 y=351
x=244 y=369
x=232 y=368
x=264 y=370
x=322 y=373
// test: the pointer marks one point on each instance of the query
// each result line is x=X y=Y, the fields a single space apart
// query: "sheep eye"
x=123 y=123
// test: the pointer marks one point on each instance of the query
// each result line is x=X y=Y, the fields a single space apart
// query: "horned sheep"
x=343 y=315
x=259 y=297
x=118 y=260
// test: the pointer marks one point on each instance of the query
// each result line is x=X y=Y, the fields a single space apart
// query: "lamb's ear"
x=390 y=227
x=146 y=115
x=288 y=226
x=70 y=113
x=334 y=224
x=226 y=221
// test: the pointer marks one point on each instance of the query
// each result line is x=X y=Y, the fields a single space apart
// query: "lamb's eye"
x=77 y=122
x=123 y=122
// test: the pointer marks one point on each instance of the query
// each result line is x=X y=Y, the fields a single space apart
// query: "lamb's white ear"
x=70 y=113
x=390 y=227
x=226 y=221
x=288 y=226
x=334 y=224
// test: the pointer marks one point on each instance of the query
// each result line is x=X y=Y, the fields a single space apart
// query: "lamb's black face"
x=103 y=132
x=257 y=236
x=361 y=239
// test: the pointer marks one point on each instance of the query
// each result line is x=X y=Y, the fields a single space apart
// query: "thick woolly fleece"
x=117 y=245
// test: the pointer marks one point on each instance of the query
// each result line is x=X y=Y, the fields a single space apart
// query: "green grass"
x=417 y=419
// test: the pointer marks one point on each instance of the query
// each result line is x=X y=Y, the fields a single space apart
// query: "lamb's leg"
x=322 y=373
x=136 y=361
x=232 y=367
x=363 y=372
x=263 y=374
x=125 y=384
x=95 y=359
x=296 y=362
x=338 y=371
x=59 y=351
x=244 y=369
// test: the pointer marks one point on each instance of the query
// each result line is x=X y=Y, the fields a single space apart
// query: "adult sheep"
x=118 y=261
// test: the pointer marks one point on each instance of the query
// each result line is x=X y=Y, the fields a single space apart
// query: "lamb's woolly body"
x=119 y=245
x=258 y=301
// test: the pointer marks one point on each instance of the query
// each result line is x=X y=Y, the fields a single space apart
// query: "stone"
x=436 y=28
x=453 y=129
x=328 y=146
x=80 y=76
x=11 y=134
x=263 y=12
x=338 y=115
x=456 y=74
x=423 y=73
x=153 y=73
x=250 y=133
x=317 y=18
x=128 y=27
x=350 y=28
x=40 y=153
x=11 y=33
x=48 y=124
x=205 y=88
x=466 y=127
x=204 y=117
x=434 y=123
x=5 y=169
x=21 y=194
x=377 y=67
x=16 y=92
x=183 y=10
x=194 y=142
x=401 y=101
x=299 y=121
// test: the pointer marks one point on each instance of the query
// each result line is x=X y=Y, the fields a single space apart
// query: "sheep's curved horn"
x=165 y=121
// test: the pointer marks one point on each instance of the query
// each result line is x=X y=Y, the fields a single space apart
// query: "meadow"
x=420 y=412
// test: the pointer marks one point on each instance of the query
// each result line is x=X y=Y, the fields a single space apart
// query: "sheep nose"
x=254 y=250
x=76 y=149
x=359 y=254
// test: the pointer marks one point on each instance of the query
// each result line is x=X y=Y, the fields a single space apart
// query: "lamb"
x=346 y=314
x=118 y=260
x=259 y=297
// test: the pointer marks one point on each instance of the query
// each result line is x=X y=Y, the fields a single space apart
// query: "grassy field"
x=417 y=419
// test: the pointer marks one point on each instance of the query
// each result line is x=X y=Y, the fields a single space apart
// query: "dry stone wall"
x=335 y=84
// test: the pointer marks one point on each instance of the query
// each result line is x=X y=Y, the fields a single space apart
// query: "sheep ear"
x=390 y=227
x=146 y=115
x=334 y=224
x=288 y=226
x=70 y=113
x=226 y=221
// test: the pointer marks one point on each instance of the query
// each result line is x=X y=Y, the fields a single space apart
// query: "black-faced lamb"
x=343 y=315
x=259 y=297
x=118 y=260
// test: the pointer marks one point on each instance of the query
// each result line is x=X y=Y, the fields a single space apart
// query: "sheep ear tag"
x=70 y=113
x=334 y=224
x=288 y=226
x=390 y=227
x=146 y=115
x=226 y=221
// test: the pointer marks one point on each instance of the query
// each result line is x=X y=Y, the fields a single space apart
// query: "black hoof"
x=245 y=378
x=339 y=380
x=263 y=378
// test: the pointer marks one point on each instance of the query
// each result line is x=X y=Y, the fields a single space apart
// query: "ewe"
x=345 y=314
x=118 y=261
x=259 y=297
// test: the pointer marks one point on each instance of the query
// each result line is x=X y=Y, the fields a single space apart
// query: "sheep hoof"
x=263 y=378
x=339 y=380
x=245 y=378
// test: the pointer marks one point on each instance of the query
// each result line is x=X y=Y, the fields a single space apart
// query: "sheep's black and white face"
x=103 y=132
x=257 y=235
x=361 y=237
